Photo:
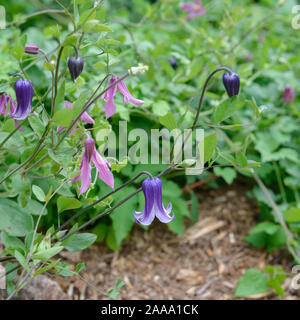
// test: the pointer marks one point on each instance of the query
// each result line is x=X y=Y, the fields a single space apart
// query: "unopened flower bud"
x=75 y=66
x=231 y=83
x=31 y=49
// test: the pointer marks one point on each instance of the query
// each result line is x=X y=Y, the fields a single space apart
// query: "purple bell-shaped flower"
x=153 y=204
x=24 y=94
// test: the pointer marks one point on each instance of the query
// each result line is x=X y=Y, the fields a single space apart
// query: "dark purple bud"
x=75 y=66
x=31 y=49
x=173 y=63
x=231 y=83
x=24 y=93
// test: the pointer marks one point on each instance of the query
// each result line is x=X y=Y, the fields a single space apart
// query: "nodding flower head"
x=288 y=95
x=109 y=106
x=24 y=94
x=89 y=146
x=231 y=84
x=75 y=65
x=154 y=207
x=91 y=155
x=32 y=49
x=173 y=63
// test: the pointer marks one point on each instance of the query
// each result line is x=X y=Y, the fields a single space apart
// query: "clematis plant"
x=195 y=9
x=91 y=155
x=109 y=106
x=154 y=207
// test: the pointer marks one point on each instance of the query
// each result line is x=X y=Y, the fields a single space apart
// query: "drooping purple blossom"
x=102 y=165
x=109 y=106
x=173 y=63
x=194 y=9
x=24 y=94
x=154 y=207
x=5 y=101
x=85 y=117
x=231 y=84
x=31 y=49
x=288 y=95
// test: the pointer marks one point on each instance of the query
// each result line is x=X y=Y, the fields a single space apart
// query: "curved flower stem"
x=200 y=107
x=101 y=199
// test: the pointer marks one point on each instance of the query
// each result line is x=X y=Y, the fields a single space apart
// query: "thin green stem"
x=279 y=181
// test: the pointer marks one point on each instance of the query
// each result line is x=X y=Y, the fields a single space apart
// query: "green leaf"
x=63 y=117
x=292 y=214
x=81 y=241
x=61 y=95
x=168 y=121
x=113 y=293
x=160 y=108
x=36 y=124
x=35 y=208
x=17 y=52
x=210 y=143
x=46 y=254
x=48 y=66
x=241 y=159
x=252 y=282
x=94 y=26
x=276 y=279
x=79 y=267
x=228 y=174
x=71 y=40
x=21 y=259
x=122 y=217
x=11 y=242
x=14 y=220
x=9 y=125
x=80 y=102
x=39 y=193
x=64 y=203
x=227 y=109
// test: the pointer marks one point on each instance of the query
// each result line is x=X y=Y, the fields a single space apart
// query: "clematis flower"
x=231 y=84
x=288 y=95
x=24 y=93
x=102 y=165
x=153 y=204
x=194 y=9
x=109 y=106
x=5 y=100
x=85 y=117
x=32 y=49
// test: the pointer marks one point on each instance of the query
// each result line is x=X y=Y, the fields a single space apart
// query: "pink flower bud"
x=31 y=49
